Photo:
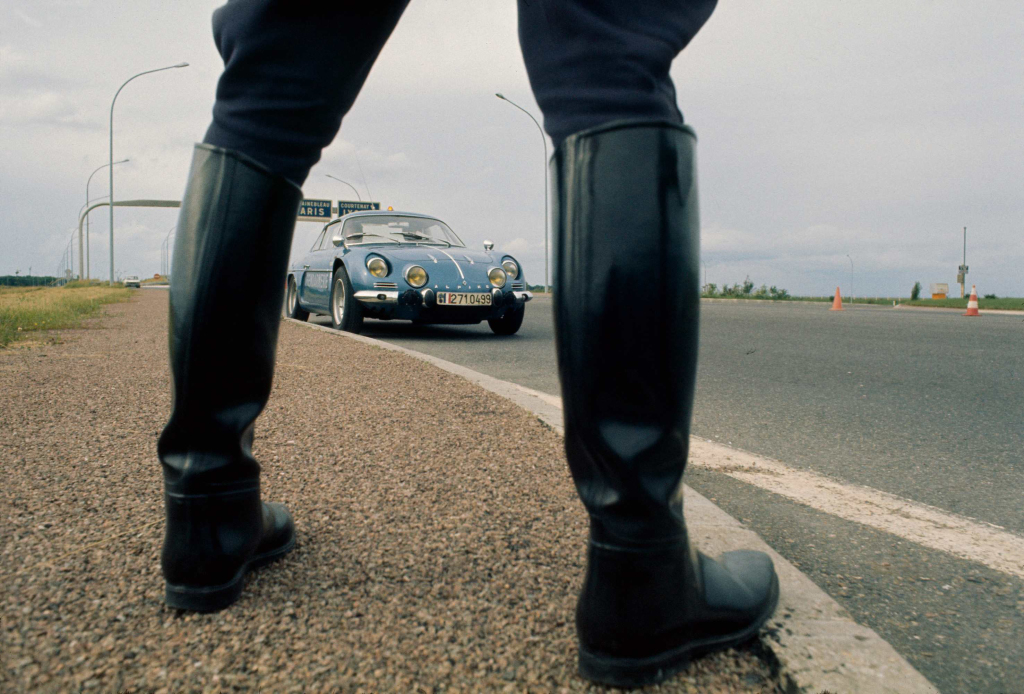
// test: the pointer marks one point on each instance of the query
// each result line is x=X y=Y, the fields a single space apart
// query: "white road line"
x=818 y=646
x=926 y=525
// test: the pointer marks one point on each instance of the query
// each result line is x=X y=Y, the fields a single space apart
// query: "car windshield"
x=399 y=230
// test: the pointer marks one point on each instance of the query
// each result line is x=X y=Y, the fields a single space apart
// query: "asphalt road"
x=925 y=405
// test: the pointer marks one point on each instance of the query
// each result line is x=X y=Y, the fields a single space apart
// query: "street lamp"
x=358 y=197
x=110 y=165
x=851 y=277
x=545 y=139
x=88 y=263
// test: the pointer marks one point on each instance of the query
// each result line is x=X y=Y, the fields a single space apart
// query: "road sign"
x=314 y=211
x=962 y=269
x=347 y=206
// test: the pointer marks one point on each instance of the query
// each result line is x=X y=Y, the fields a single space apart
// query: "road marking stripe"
x=929 y=526
x=817 y=644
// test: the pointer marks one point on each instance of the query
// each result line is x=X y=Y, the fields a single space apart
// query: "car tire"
x=291 y=301
x=509 y=322
x=346 y=312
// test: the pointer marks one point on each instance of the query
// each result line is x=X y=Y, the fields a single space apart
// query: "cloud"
x=516 y=245
x=31 y=21
x=42 y=108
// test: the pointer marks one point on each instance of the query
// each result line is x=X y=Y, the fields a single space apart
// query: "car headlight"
x=511 y=268
x=497 y=276
x=378 y=267
x=416 y=276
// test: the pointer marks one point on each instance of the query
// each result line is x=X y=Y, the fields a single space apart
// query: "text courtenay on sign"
x=347 y=206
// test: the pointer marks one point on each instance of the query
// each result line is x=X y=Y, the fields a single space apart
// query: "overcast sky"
x=872 y=129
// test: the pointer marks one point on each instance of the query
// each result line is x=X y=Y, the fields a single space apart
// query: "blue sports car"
x=406 y=266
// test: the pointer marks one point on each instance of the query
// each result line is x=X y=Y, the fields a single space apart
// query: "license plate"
x=463 y=299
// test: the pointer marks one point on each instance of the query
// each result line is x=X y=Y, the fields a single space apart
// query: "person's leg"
x=626 y=318
x=289 y=79
x=292 y=70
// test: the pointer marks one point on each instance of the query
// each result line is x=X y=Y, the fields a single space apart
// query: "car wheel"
x=346 y=312
x=510 y=321
x=291 y=302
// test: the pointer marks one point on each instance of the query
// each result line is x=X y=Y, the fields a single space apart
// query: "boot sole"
x=640 y=672
x=215 y=598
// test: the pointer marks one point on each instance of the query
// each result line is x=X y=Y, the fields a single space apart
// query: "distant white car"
x=133 y=281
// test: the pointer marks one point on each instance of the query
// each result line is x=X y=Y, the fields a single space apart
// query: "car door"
x=321 y=268
x=307 y=281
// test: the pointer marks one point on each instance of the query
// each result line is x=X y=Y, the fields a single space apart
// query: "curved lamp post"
x=358 y=197
x=545 y=139
x=88 y=263
x=111 y=162
x=165 y=248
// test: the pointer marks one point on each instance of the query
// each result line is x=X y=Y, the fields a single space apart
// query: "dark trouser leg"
x=227 y=280
x=626 y=317
x=292 y=70
x=592 y=62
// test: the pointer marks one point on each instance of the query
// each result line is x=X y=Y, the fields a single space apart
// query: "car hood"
x=425 y=254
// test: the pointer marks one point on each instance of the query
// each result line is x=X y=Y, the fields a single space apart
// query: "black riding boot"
x=227 y=284
x=627 y=303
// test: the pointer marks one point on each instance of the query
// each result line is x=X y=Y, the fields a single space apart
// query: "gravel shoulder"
x=440 y=545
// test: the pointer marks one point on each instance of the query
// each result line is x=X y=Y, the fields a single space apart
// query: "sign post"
x=963 y=268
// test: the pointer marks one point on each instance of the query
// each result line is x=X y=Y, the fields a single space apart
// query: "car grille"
x=385 y=285
x=517 y=285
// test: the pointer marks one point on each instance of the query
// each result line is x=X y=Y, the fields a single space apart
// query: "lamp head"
x=181 y=65
x=500 y=96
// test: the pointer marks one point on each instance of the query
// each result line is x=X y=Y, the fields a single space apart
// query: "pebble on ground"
x=440 y=539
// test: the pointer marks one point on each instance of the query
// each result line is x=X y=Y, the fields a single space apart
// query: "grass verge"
x=884 y=301
x=24 y=310
x=1004 y=304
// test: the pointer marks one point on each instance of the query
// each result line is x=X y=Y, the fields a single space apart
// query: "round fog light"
x=497 y=276
x=378 y=267
x=511 y=268
x=416 y=276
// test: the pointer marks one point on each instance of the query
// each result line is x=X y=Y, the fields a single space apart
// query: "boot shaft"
x=227 y=287
x=626 y=318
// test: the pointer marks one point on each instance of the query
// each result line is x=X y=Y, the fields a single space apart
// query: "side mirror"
x=488 y=245
x=337 y=240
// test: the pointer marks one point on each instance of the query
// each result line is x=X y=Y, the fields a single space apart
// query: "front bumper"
x=421 y=305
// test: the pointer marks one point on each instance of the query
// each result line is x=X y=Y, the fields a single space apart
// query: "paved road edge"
x=817 y=645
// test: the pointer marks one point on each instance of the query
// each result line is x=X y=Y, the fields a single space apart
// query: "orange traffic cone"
x=972 y=303
x=837 y=303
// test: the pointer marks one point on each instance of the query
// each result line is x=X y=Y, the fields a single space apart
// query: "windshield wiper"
x=421 y=237
x=361 y=234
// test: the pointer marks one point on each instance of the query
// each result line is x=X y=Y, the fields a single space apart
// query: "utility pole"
x=963 y=270
x=851 y=277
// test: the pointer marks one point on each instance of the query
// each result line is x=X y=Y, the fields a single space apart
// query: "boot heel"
x=205 y=598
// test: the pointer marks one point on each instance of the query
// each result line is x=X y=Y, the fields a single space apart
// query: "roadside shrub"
x=745 y=290
x=915 y=293
x=990 y=296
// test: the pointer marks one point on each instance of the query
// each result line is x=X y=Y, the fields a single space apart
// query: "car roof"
x=383 y=213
